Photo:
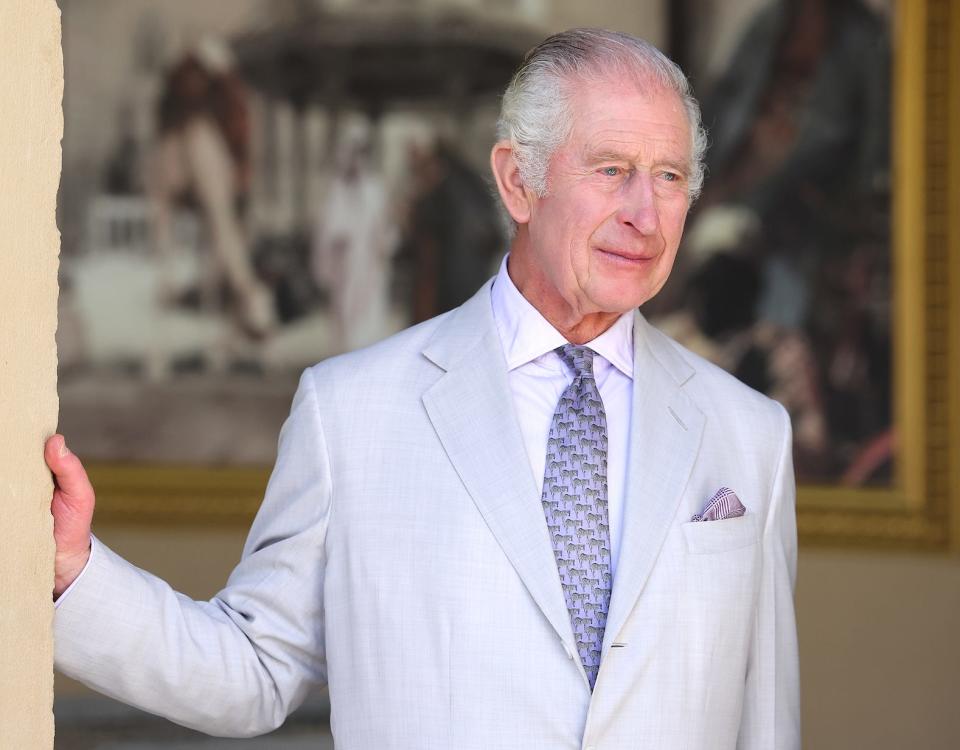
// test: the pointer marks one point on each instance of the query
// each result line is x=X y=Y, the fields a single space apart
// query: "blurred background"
x=250 y=186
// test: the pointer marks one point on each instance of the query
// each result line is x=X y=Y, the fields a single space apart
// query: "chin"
x=621 y=297
x=617 y=304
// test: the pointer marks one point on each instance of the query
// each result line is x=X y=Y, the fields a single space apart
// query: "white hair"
x=535 y=113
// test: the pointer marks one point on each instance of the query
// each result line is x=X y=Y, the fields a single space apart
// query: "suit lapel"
x=472 y=411
x=665 y=432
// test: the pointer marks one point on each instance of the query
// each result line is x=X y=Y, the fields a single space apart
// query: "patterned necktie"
x=575 y=504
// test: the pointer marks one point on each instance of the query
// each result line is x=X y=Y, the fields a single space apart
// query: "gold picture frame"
x=922 y=508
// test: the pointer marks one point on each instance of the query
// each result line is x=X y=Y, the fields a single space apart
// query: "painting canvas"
x=250 y=187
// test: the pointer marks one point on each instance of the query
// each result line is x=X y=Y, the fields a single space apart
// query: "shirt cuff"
x=66 y=592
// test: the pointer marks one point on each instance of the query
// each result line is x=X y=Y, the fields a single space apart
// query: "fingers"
x=72 y=510
x=68 y=473
x=73 y=497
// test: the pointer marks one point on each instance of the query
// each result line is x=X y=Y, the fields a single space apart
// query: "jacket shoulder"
x=395 y=359
x=714 y=389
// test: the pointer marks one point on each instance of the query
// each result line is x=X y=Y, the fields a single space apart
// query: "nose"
x=639 y=209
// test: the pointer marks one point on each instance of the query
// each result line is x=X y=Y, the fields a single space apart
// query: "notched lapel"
x=665 y=433
x=471 y=410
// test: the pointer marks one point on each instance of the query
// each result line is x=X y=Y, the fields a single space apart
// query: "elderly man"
x=533 y=522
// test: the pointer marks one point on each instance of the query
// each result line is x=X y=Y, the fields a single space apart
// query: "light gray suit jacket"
x=401 y=556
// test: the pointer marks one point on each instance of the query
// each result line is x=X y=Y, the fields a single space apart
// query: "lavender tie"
x=575 y=504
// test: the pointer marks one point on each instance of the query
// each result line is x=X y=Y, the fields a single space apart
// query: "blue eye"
x=670 y=176
x=610 y=171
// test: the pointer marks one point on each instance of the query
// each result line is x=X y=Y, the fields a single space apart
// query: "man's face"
x=605 y=237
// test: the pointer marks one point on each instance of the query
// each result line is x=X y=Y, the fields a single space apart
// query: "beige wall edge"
x=31 y=92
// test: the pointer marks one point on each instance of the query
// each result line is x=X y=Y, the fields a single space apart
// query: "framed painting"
x=852 y=323
x=921 y=505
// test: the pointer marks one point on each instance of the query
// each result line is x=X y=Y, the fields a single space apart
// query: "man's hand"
x=72 y=509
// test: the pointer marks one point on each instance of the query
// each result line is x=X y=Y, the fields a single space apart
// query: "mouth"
x=625 y=257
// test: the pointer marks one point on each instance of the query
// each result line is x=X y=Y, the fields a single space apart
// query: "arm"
x=771 y=709
x=238 y=664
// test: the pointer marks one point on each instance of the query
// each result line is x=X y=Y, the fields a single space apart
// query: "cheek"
x=673 y=222
x=563 y=233
x=549 y=237
x=581 y=238
x=567 y=235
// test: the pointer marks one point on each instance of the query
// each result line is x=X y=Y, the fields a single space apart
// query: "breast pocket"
x=711 y=537
x=721 y=575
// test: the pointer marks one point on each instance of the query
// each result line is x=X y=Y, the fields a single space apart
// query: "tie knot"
x=579 y=358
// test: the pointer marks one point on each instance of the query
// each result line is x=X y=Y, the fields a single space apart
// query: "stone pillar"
x=31 y=90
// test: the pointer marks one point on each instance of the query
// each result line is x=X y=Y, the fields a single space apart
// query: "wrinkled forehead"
x=614 y=100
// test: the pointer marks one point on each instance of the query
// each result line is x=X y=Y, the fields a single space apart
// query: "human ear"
x=514 y=194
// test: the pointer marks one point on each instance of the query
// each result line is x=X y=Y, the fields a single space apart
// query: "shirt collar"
x=526 y=335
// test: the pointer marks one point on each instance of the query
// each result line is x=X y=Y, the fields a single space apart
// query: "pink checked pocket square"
x=724 y=504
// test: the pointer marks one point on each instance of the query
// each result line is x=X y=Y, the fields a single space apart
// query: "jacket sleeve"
x=771 y=711
x=235 y=665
